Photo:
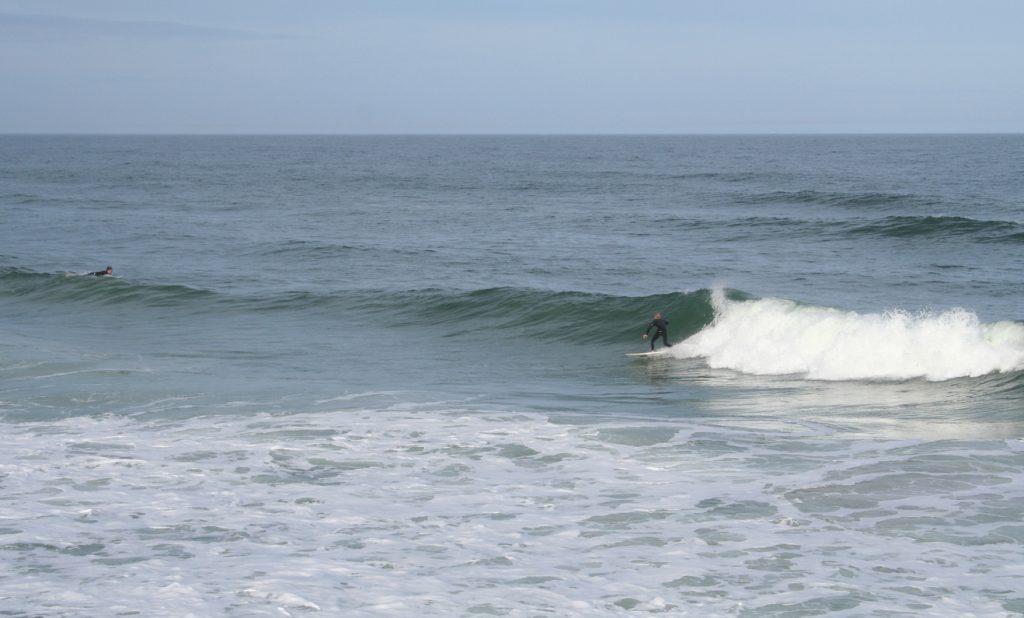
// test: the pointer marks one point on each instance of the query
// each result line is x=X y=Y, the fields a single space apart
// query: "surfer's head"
x=109 y=269
x=657 y=314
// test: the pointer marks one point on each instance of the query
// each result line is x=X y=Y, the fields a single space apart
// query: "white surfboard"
x=646 y=354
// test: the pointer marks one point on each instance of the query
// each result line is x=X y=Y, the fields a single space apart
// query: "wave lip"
x=780 y=337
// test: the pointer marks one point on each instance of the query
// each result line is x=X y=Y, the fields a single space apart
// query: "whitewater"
x=395 y=512
x=777 y=337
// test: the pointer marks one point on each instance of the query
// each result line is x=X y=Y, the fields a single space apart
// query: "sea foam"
x=434 y=512
x=774 y=336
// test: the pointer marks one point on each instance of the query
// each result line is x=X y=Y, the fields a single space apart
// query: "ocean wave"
x=62 y=288
x=840 y=198
x=79 y=289
x=902 y=226
x=561 y=315
x=319 y=250
x=910 y=227
x=760 y=226
x=22 y=198
x=307 y=249
x=774 y=336
x=728 y=328
x=730 y=177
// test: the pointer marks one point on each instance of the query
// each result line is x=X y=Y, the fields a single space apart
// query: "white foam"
x=777 y=337
x=402 y=513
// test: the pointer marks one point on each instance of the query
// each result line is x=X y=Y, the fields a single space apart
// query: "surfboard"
x=646 y=354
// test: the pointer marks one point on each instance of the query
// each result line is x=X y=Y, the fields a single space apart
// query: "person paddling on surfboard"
x=662 y=331
x=109 y=271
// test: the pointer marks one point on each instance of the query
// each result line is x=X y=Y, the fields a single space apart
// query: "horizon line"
x=523 y=134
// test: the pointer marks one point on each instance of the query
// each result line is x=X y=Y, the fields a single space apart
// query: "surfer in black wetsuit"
x=662 y=331
x=104 y=273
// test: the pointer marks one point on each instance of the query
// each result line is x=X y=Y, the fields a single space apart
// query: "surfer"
x=662 y=331
x=109 y=271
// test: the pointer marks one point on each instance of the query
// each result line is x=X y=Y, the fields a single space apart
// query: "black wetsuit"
x=662 y=326
x=101 y=273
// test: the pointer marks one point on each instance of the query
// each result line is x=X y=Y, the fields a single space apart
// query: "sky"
x=511 y=66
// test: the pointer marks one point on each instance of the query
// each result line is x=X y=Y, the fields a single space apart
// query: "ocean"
x=388 y=376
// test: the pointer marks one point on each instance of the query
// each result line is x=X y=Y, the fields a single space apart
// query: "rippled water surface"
x=388 y=376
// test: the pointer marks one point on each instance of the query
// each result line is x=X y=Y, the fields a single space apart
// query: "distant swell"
x=779 y=337
x=910 y=227
x=839 y=198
